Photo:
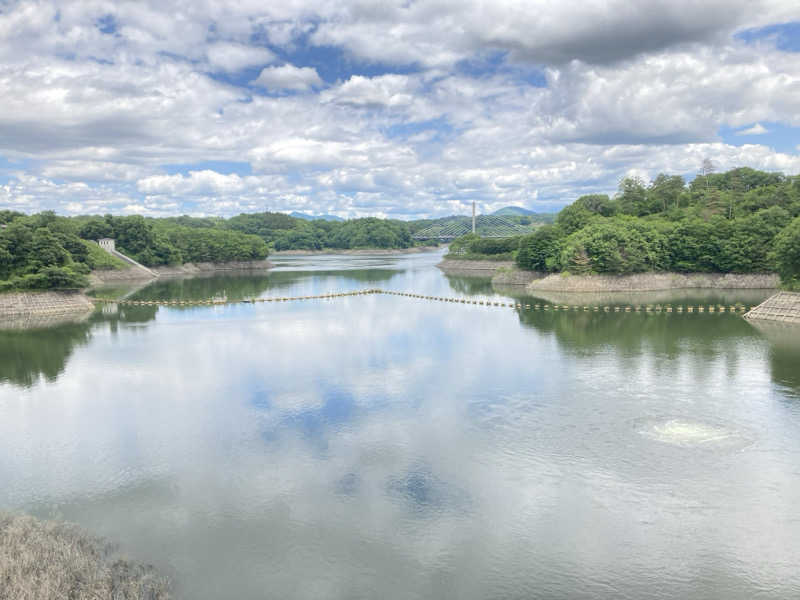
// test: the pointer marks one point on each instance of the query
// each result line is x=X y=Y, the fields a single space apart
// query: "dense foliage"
x=41 y=252
x=177 y=240
x=472 y=246
x=739 y=221
x=46 y=251
x=787 y=254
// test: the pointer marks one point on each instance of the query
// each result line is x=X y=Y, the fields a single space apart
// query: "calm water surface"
x=383 y=447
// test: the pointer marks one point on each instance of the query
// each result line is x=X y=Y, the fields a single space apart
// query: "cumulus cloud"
x=288 y=77
x=231 y=57
x=386 y=90
x=509 y=103
x=757 y=129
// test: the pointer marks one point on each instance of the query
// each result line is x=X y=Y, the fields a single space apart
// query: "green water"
x=386 y=447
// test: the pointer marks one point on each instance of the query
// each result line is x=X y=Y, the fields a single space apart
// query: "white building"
x=107 y=244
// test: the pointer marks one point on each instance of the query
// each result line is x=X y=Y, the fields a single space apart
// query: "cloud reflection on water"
x=381 y=446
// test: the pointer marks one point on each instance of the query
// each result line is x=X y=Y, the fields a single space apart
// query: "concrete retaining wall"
x=207 y=267
x=559 y=282
x=474 y=268
x=783 y=307
x=514 y=276
x=22 y=304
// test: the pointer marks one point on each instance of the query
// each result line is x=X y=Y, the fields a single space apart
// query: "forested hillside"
x=739 y=221
x=284 y=232
x=45 y=251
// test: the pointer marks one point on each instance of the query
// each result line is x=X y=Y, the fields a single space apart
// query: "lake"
x=387 y=447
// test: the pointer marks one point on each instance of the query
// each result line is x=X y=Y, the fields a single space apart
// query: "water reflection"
x=784 y=354
x=37 y=350
x=379 y=446
x=28 y=355
x=667 y=334
x=470 y=286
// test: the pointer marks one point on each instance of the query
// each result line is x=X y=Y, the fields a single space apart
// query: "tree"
x=539 y=251
x=632 y=197
x=786 y=254
x=665 y=190
x=573 y=218
x=95 y=229
x=599 y=204
x=707 y=169
x=618 y=245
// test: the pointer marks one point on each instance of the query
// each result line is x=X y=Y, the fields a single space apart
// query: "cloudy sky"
x=400 y=109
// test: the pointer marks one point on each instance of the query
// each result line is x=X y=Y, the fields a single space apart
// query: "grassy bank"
x=43 y=559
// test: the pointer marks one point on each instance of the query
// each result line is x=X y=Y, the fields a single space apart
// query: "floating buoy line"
x=637 y=308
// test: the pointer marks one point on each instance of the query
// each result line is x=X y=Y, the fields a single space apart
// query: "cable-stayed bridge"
x=488 y=226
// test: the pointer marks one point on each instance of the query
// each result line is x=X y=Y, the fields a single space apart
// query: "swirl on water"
x=678 y=431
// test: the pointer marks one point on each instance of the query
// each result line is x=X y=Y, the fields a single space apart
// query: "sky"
x=396 y=109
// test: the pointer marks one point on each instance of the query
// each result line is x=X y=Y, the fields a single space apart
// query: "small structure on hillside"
x=107 y=244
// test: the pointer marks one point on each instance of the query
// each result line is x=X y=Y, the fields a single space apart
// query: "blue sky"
x=406 y=109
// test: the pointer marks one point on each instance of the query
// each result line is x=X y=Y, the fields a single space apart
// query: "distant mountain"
x=516 y=211
x=299 y=215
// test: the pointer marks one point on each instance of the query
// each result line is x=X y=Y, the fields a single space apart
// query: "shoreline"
x=48 y=559
x=506 y=273
x=356 y=251
x=474 y=268
x=27 y=305
x=22 y=305
x=649 y=282
x=212 y=267
x=99 y=277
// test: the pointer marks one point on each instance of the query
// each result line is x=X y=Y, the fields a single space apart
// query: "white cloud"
x=757 y=129
x=91 y=118
x=288 y=77
x=234 y=57
x=386 y=90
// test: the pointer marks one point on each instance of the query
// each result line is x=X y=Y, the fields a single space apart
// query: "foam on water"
x=694 y=434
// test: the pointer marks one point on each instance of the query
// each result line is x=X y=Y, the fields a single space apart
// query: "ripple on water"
x=694 y=434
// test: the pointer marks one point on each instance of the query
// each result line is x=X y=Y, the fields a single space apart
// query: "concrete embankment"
x=357 y=251
x=681 y=296
x=99 y=277
x=641 y=282
x=209 y=267
x=17 y=305
x=783 y=307
x=474 y=268
x=515 y=277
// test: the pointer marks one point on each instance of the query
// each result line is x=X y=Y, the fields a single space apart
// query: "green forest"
x=289 y=233
x=740 y=221
x=743 y=220
x=46 y=251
